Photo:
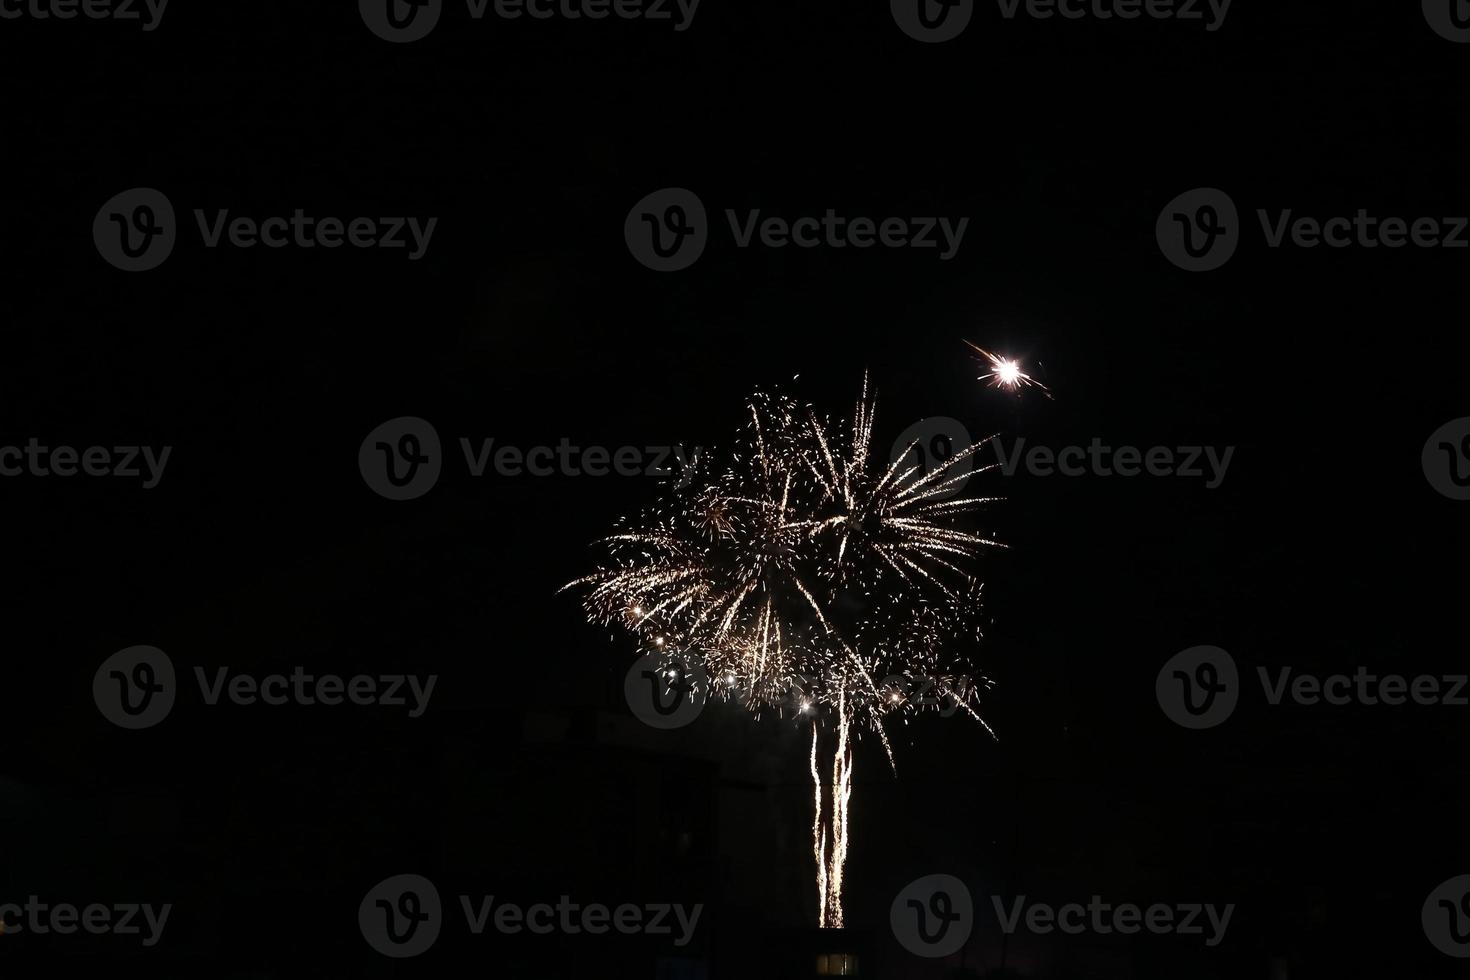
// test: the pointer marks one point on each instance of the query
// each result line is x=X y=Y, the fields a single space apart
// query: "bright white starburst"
x=1005 y=372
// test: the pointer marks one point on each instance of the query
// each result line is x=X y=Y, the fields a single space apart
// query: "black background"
x=528 y=321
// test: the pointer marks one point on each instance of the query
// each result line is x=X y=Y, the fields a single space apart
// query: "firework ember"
x=810 y=578
x=1006 y=373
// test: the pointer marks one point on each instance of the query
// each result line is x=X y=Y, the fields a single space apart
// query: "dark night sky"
x=528 y=321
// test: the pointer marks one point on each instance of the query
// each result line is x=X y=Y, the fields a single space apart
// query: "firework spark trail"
x=829 y=827
x=819 y=836
x=803 y=560
x=841 y=793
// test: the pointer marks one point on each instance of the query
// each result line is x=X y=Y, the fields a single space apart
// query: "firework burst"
x=1005 y=372
x=810 y=578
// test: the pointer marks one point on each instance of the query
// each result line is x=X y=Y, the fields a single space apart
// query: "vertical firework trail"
x=808 y=577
